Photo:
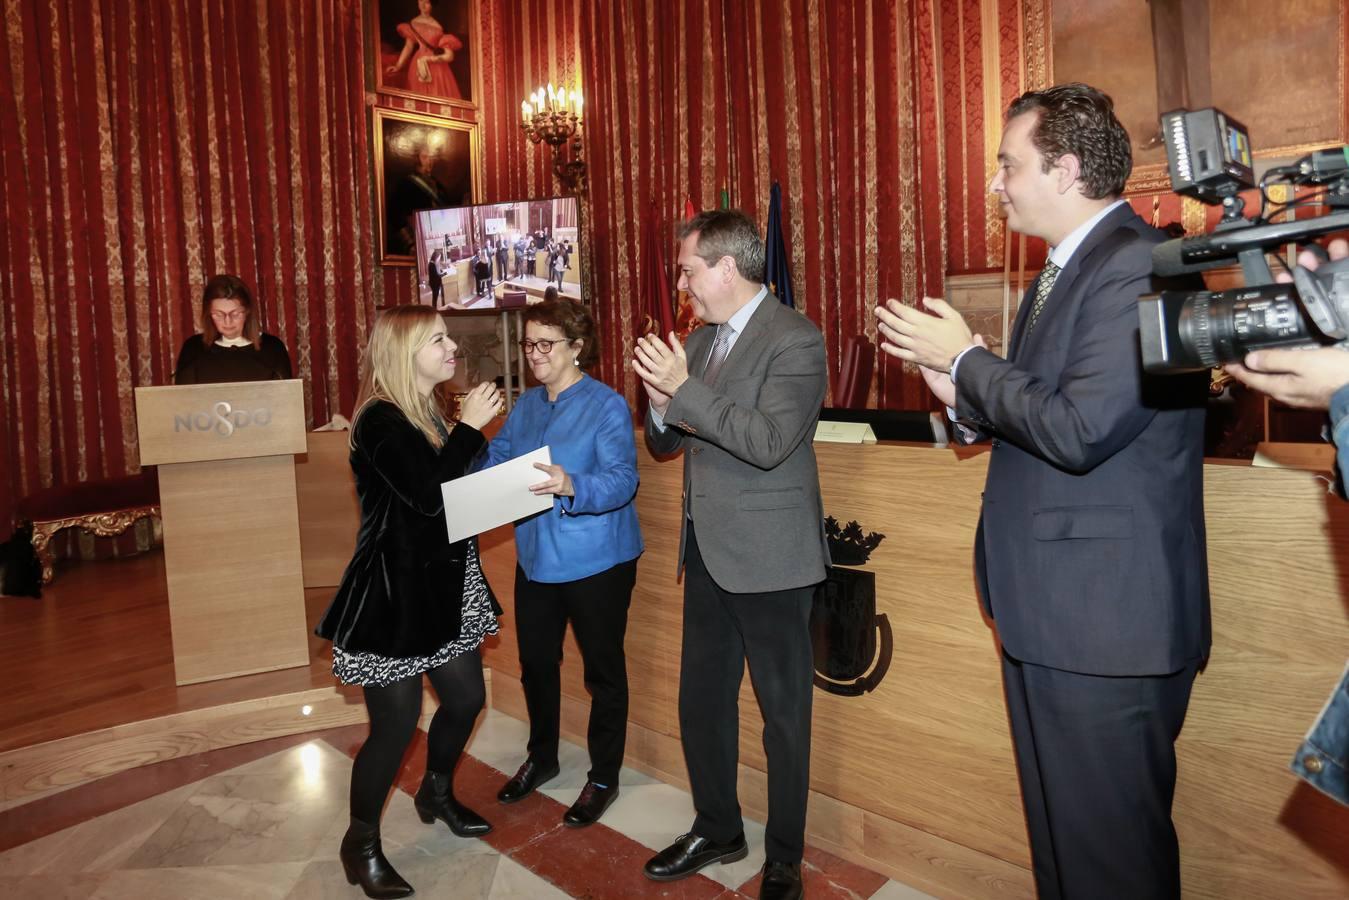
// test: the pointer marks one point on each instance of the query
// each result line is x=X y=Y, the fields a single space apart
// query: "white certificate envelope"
x=484 y=500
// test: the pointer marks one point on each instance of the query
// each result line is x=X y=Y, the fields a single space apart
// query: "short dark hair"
x=228 y=287
x=574 y=320
x=727 y=232
x=1079 y=119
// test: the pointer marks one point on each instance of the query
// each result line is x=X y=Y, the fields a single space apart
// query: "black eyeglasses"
x=544 y=347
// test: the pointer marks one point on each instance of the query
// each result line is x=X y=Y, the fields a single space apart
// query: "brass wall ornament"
x=554 y=118
x=852 y=643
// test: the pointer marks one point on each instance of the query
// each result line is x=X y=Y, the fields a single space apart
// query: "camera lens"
x=1217 y=327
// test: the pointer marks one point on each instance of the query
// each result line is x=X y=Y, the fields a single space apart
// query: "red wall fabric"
x=685 y=98
x=143 y=148
x=233 y=135
x=690 y=97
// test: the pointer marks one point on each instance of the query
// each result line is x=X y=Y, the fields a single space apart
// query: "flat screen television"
x=498 y=255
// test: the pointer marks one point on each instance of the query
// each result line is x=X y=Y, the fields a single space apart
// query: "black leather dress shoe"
x=525 y=781
x=781 y=881
x=592 y=803
x=689 y=853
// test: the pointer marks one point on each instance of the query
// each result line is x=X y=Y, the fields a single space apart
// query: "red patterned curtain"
x=836 y=101
x=143 y=148
x=146 y=146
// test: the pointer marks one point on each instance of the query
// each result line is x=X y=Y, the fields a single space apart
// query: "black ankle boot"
x=435 y=800
x=363 y=861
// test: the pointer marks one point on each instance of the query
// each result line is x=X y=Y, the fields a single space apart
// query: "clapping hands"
x=481 y=405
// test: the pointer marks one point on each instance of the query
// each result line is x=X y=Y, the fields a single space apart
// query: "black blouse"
x=214 y=364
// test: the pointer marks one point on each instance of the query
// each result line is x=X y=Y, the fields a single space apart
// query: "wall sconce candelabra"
x=553 y=117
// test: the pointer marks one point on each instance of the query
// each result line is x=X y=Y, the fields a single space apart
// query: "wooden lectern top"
x=233 y=420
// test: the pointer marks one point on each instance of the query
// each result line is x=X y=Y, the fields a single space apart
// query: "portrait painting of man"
x=421 y=162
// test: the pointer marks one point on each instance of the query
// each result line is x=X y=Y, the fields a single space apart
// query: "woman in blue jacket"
x=577 y=560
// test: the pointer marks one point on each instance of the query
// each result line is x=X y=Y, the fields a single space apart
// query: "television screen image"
x=497 y=255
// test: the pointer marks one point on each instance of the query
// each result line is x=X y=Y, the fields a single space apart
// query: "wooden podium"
x=231 y=529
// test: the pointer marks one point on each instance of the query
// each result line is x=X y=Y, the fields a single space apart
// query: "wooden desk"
x=330 y=513
x=917 y=779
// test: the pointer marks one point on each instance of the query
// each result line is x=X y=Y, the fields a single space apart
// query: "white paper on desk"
x=484 y=500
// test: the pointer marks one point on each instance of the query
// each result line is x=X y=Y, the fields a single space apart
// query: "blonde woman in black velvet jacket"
x=410 y=602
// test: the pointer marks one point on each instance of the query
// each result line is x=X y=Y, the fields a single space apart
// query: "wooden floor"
x=94 y=653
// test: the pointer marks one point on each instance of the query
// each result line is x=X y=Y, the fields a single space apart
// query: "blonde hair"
x=388 y=371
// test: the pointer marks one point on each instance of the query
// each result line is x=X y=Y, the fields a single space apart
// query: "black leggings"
x=394 y=710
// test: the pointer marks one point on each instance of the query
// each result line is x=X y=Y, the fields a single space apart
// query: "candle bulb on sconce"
x=553 y=116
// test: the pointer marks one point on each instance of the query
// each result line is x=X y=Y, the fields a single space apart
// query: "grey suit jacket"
x=1091 y=551
x=750 y=480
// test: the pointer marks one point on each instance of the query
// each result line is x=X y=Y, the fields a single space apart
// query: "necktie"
x=721 y=345
x=1043 y=285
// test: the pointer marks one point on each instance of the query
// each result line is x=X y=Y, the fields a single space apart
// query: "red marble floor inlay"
x=597 y=863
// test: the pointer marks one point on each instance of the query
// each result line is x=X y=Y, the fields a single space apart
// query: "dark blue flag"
x=777 y=272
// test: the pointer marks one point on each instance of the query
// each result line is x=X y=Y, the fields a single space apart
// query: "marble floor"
x=264 y=820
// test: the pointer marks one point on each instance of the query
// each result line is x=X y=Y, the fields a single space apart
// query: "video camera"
x=1209 y=157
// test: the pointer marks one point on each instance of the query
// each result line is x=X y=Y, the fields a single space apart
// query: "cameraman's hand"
x=1338 y=249
x=1306 y=378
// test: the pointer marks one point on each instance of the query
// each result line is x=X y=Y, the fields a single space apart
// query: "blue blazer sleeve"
x=612 y=482
x=499 y=448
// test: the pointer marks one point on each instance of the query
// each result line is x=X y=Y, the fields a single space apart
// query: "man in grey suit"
x=1090 y=552
x=741 y=400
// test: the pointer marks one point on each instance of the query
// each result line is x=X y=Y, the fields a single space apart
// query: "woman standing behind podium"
x=577 y=560
x=231 y=346
x=410 y=601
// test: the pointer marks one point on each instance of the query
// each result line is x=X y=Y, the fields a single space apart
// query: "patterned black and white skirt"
x=479 y=620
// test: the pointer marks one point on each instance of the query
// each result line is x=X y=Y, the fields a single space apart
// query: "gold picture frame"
x=421 y=162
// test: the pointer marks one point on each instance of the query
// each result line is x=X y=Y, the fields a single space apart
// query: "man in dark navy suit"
x=1090 y=552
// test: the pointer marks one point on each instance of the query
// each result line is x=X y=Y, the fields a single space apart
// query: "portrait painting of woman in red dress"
x=423 y=49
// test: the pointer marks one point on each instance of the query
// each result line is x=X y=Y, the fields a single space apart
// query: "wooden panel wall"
x=917 y=778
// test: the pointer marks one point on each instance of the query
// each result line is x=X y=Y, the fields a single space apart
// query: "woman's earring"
x=576 y=361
